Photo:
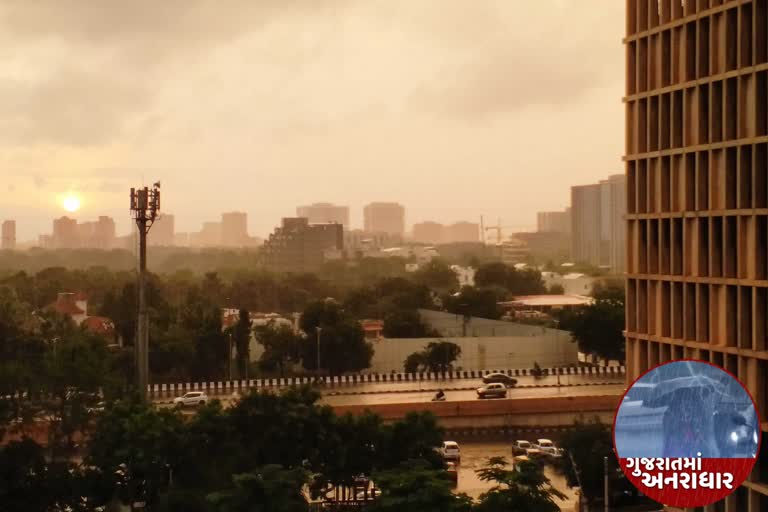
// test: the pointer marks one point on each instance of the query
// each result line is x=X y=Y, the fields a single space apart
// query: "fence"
x=243 y=386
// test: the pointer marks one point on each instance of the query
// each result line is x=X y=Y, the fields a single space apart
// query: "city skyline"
x=297 y=119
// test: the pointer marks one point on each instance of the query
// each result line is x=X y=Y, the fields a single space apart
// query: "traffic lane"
x=475 y=455
x=458 y=396
x=434 y=385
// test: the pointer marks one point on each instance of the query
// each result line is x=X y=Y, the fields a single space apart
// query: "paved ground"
x=475 y=454
x=426 y=396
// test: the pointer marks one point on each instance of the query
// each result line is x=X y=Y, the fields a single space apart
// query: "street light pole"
x=605 y=482
x=319 y=329
x=229 y=356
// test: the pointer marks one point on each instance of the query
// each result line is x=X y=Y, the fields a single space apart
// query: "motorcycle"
x=439 y=397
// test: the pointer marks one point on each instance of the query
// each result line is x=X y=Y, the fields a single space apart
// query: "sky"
x=454 y=108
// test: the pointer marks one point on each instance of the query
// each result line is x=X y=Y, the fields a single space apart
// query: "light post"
x=229 y=355
x=319 y=329
x=605 y=483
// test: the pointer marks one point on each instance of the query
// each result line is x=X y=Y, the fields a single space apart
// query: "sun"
x=71 y=203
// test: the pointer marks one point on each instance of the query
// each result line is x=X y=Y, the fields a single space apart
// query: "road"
x=454 y=388
x=475 y=455
x=453 y=396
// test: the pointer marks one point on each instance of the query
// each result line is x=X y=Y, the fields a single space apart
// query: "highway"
x=455 y=396
x=455 y=389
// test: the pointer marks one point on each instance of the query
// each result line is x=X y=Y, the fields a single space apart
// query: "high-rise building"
x=697 y=192
x=462 y=232
x=321 y=213
x=65 y=233
x=300 y=246
x=163 y=231
x=384 y=218
x=234 y=229
x=8 y=235
x=585 y=223
x=554 y=222
x=597 y=223
x=98 y=234
x=428 y=232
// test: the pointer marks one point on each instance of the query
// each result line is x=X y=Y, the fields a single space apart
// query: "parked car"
x=525 y=448
x=492 y=390
x=450 y=451
x=547 y=447
x=191 y=398
x=521 y=447
x=500 y=378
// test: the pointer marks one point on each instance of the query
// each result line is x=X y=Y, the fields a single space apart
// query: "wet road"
x=475 y=455
x=453 y=396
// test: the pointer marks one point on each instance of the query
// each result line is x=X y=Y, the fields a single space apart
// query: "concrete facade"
x=554 y=222
x=300 y=246
x=384 y=218
x=597 y=223
x=8 y=235
x=697 y=195
x=483 y=352
x=323 y=213
x=234 y=229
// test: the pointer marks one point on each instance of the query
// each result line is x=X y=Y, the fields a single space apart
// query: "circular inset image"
x=687 y=433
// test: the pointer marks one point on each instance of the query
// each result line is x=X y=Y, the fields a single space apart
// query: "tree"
x=597 y=328
x=587 y=444
x=437 y=275
x=556 y=289
x=342 y=343
x=471 y=301
x=523 y=489
x=282 y=347
x=417 y=487
x=516 y=282
x=270 y=488
x=436 y=357
x=406 y=323
x=242 y=337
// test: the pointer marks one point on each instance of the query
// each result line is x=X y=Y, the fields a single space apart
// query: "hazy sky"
x=455 y=108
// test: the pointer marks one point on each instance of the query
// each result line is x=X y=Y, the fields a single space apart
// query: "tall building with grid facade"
x=697 y=195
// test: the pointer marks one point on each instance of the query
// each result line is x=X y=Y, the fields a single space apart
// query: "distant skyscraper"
x=8 y=237
x=234 y=229
x=597 y=226
x=321 y=213
x=65 y=233
x=428 y=232
x=98 y=234
x=554 y=222
x=163 y=231
x=384 y=218
x=462 y=232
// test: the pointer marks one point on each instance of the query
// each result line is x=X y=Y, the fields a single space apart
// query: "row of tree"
x=266 y=453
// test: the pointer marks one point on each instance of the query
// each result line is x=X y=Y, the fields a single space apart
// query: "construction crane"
x=497 y=228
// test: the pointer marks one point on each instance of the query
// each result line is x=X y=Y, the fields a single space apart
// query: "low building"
x=573 y=283
x=546 y=303
x=465 y=275
x=300 y=246
x=373 y=329
x=75 y=307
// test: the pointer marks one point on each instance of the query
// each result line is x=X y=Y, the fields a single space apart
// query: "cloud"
x=72 y=107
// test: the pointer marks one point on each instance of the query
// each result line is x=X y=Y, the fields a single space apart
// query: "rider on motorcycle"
x=439 y=395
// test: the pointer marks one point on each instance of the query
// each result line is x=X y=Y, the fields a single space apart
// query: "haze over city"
x=263 y=106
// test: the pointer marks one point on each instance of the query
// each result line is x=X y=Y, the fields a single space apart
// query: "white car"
x=547 y=447
x=191 y=398
x=450 y=451
x=492 y=390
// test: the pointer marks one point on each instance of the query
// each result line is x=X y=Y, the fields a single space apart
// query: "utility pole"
x=605 y=483
x=319 y=329
x=145 y=205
